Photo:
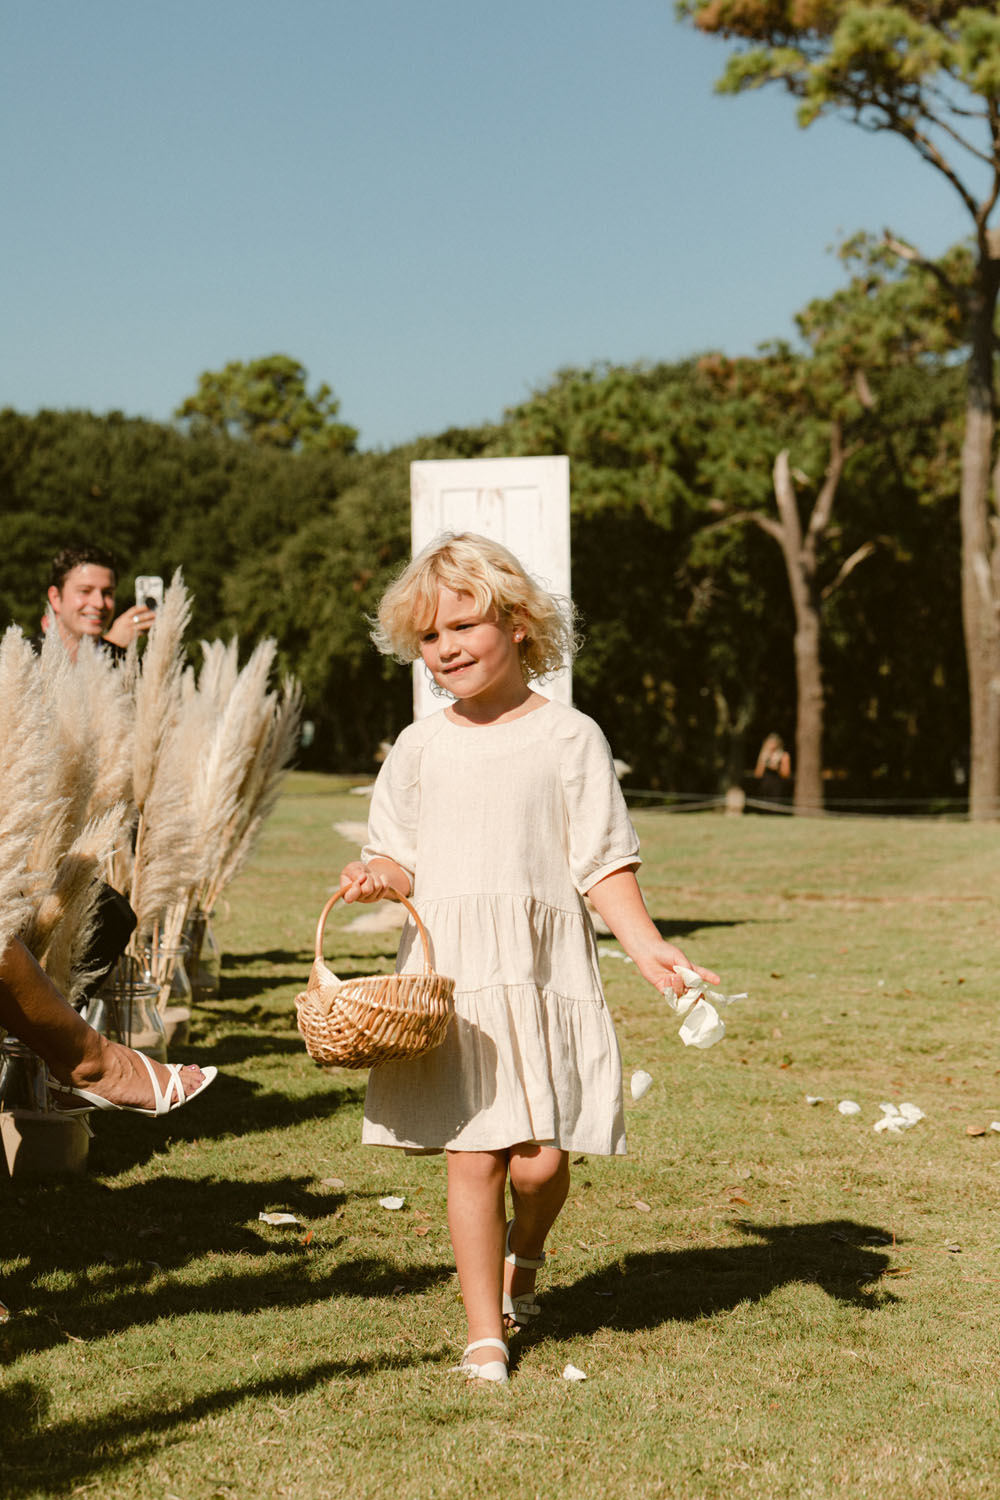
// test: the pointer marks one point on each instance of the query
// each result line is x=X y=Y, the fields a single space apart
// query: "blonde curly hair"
x=473 y=564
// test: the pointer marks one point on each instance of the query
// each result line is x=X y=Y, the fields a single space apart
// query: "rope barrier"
x=955 y=808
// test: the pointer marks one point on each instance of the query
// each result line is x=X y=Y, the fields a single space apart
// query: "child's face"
x=473 y=656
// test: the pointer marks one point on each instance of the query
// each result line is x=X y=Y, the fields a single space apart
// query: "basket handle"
x=388 y=895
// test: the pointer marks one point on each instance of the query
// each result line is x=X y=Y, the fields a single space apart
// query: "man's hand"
x=130 y=625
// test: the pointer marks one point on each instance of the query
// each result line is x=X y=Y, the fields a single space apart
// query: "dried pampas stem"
x=27 y=752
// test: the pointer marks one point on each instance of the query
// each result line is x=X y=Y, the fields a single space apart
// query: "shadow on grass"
x=235 y=1048
x=279 y=958
x=672 y=928
x=233 y=1106
x=643 y=1291
x=58 y=1458
x=90 y=1264
x=253 y=985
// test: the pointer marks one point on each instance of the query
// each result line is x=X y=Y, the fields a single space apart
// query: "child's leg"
x=539 y=1182
x=476 y=1219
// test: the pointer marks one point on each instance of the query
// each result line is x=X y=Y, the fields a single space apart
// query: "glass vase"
x=22 y=1077
x=125 y=1010
x=204 y=958
x=166 y=968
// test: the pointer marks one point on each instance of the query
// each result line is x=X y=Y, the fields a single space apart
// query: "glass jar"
x=125 y=1010
x=22 y=1077
x=204 y=959
x=166 y=969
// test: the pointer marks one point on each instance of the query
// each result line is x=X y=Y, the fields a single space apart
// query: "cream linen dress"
x=502 y=829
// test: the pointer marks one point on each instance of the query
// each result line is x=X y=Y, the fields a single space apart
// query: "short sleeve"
x=600 y=832
x=395 y=809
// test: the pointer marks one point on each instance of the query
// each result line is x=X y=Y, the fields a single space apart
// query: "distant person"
x=502 y=813
x=773 y=770
x=81 y=594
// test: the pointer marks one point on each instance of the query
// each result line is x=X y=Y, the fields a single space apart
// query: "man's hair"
x=78 y=557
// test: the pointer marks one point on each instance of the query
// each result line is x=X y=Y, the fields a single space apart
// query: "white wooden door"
x=521 y=502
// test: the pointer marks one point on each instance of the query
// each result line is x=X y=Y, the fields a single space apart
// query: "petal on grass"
x=848 y=1107
x=641 y=1081
x=572 y=1373
x=392 y=1203
x=279 y=1219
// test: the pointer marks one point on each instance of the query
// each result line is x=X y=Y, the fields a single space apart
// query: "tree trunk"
x=980 y=549
x=808 y=712
x=800 y=554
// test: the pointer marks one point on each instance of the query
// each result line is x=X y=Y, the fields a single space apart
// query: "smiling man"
x=82 y=596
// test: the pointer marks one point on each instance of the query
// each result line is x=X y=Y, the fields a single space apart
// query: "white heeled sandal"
x=492 y=1369
x=520 y=1309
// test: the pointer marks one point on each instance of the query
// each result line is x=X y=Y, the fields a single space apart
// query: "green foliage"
x=688 y=658
x=266 y=401
x=901 y=67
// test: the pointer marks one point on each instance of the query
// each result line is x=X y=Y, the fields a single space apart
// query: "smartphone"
x=149 y=591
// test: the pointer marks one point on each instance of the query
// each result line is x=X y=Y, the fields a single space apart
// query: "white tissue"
x=702 y=1027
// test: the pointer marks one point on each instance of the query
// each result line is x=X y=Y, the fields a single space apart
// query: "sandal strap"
x=488 y=1344
x=521 y=1261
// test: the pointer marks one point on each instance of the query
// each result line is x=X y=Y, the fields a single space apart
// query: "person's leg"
x=32 y=1009
x=539 y=1182
x=476 y=1186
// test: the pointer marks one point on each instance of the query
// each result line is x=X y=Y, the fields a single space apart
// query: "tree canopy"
x=927 y=71
x=267 y=401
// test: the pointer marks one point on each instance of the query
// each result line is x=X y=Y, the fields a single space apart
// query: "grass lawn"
x=767 y=1297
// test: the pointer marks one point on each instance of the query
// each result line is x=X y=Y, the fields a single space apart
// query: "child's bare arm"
x=619 y=901
x=369 y=882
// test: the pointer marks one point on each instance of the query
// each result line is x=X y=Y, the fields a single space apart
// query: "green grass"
x=799 y=1307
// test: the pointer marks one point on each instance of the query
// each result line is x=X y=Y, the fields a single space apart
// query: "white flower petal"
x=392 y=1202
x=848 y=1107
x=912 y=1112
x=279 y=1219
x=572 y=1373
x=814 y=1098
x=724 y=1000
x=702 y=1028
x=640 y=1082
x=889 y=1109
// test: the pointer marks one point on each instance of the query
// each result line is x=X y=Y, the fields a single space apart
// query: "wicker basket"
x=355 y=1023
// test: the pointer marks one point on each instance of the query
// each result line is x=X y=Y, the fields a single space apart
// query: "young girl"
x=498 y=815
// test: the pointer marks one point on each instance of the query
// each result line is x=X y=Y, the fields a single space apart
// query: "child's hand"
x=660 y=967
x=359 y=882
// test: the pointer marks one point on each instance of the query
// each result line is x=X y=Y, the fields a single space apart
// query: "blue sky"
x=432 y=204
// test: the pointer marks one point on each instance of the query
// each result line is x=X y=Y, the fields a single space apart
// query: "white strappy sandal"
x=165 y=1100
x=520 y=1309
x=493 y=1369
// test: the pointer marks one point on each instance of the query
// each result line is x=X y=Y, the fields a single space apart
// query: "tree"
x=927 y=71
x=825 y=407
x=267 y=402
